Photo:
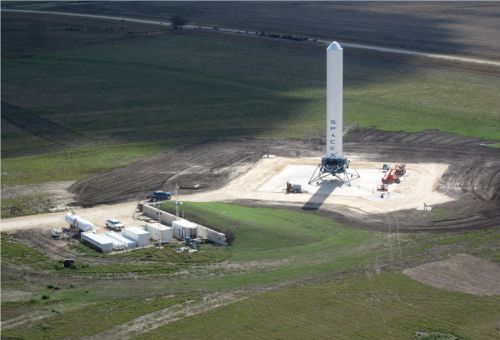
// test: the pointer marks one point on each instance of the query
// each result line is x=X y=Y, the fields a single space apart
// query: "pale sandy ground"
x=416 y=188
x=461 y=273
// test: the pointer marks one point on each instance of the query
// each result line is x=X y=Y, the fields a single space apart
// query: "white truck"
x=114 y=224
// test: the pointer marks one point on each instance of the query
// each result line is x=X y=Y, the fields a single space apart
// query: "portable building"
x=140 y=236
x=97 y=241
x=129 y=244
x=157 y=229
x=183 y=228
x=117 y=245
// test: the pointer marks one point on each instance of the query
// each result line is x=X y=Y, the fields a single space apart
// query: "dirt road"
x=252 y=33
x=466 y=197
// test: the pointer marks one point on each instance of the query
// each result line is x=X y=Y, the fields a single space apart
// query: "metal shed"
x=97 y=241
x=184 y=228
x=155 y=229
x=129 y=244
x=140 y=236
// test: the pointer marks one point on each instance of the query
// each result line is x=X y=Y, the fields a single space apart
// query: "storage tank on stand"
x=76 y=221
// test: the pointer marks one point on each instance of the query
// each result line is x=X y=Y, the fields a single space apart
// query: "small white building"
x=155 y=229
x=183 y=228
x=140 y=236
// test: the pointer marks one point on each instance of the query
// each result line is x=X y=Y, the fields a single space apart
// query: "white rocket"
x=334 y=97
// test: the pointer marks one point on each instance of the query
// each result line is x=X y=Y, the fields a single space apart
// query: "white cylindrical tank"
x=334 y=98
x=81 y=223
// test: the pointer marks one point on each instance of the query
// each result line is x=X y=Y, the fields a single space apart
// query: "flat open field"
x=460 y=28
x=185 y=107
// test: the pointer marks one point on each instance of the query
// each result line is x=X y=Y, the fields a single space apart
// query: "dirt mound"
x=212 y=164
x=462 y=273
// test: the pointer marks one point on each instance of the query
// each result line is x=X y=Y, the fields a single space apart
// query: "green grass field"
x=91 y=319
x=300 y=249
x=387 y=306
x=169 y=87
x=166 y=88
x=76 y=164
x=19 y=253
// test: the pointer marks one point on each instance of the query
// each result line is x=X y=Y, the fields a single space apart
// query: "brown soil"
x=472 y=179
x=462 y=273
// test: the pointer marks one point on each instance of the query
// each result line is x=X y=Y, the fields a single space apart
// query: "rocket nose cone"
x=334 y=46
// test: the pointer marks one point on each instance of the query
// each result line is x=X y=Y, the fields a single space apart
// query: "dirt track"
x=472 y=179
x=467 y=28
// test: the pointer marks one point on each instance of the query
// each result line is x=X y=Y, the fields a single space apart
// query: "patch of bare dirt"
x=59 y=191
x=462 y=273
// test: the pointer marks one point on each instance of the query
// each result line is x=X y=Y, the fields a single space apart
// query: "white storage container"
x=117 y=245
x=184 y=228
x=155 y=229
x=97 y=241
x=140 y=236
x=129 y=244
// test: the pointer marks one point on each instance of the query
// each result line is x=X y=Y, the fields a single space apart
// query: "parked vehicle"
x=114 y=224
x=159 y=195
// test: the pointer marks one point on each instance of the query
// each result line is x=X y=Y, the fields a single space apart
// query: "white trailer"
x=140 y=236
x=184 y=228
x=157 y=229
x=98 y=242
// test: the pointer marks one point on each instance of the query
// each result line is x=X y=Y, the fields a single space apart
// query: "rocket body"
x=334 y=98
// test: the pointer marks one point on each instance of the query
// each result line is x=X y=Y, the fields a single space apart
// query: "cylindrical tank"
x=81 y=223
x=334 y=97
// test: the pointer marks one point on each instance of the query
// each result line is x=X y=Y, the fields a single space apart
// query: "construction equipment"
x=383 y=187
x=400 y=168
x=293 y=187
x=191 y=243
x=390 y=176
x=56 y=232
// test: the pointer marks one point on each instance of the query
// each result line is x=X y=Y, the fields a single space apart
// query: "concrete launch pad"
x=365 y=186
x=266 y=180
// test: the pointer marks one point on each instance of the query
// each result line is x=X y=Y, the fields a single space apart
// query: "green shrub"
x=45 y=297
x=50 y=286
x=437 y=336
x=46 y=327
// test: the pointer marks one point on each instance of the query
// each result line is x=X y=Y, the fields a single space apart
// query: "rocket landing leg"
x=334 y=167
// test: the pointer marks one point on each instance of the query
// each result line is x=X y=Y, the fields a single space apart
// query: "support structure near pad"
x=336 y=167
